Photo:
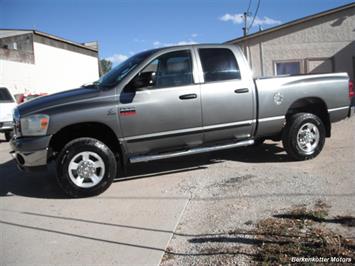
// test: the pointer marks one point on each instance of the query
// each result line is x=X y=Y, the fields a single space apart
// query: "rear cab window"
x=218 y=64
x=5 y=96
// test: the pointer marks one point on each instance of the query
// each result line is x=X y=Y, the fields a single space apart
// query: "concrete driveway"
x=129 y=224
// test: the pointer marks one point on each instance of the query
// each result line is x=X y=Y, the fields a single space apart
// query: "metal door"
x=166 y=115
x=226 y=97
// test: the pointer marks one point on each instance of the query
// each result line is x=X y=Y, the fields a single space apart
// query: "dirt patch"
x=168 y=255
x=299 y=233
x=238 y=179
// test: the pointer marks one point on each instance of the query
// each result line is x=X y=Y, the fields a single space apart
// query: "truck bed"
x=278 y=94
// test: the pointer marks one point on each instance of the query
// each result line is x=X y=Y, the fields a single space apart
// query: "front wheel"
x=86 y=167
x=259 y=141
x=304 y=136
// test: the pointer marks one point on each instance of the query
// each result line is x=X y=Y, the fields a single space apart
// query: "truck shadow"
x=44 y=185
x=36 y=185
x=265 y=153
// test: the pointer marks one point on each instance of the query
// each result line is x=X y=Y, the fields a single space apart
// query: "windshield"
x=119 y=72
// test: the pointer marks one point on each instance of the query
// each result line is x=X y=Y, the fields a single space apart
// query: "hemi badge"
x=127 y=111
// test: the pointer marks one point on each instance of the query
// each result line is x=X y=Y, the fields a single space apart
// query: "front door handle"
x=188 y=96
x=243 y=90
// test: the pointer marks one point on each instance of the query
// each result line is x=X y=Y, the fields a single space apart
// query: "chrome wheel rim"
x=308 y=138
x=86 y=169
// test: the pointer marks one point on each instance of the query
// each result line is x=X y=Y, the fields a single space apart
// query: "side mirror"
x=144 y=79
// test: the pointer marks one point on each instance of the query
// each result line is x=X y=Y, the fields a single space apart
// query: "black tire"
x=259 y=142
x=289 y=137
x=74 y=149
x=9 y=135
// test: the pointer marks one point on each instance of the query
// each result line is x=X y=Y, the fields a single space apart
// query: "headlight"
x=16 y=116
x=34 y=125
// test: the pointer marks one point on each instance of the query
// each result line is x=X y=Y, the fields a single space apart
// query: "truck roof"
x=193 y=45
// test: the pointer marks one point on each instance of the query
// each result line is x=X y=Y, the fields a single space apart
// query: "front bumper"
x=30 y=152
x=6 y=126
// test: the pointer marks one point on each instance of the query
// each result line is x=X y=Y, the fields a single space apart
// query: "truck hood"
x=42 y=103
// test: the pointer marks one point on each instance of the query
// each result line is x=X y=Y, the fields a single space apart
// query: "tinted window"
x=5 y=95
x=174 y=69
x=219 y=64
x=168 y=70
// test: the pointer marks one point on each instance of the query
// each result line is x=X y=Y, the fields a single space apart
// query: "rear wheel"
x=85 y=167
x=304 y=136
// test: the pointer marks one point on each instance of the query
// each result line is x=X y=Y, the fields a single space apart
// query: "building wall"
x=54 y=69
x=17 y=48
x=330 y=37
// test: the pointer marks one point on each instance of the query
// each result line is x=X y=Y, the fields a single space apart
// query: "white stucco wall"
x=54 y=70
x=17 y=77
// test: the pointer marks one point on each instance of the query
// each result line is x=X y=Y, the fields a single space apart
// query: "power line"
x=249 y=6
x=256 y=12
x=245 y=18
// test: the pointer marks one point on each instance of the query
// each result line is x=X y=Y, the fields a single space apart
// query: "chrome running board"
x=146 y=158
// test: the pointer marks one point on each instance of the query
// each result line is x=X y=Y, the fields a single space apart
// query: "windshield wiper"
x=108 y=85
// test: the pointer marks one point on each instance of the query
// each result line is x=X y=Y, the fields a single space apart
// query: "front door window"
x=169 y=70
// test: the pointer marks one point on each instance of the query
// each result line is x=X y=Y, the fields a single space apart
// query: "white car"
x=7 y=106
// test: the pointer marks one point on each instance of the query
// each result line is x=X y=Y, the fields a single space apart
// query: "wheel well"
x=314 y=106
x=93 y=130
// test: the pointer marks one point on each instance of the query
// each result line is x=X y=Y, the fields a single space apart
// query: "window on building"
x=10 y=46
x=287 y=68
x=218 y=64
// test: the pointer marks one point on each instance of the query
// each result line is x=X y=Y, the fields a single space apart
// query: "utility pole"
x=245 y=29
x=245 y=33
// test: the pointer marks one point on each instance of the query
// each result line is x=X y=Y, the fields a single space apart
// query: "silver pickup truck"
x=171 y=102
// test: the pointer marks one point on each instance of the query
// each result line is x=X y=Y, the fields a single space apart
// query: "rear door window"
x=218 y=64
x=5 y=96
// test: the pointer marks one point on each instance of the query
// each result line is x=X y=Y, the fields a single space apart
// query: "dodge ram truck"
x=169 y=102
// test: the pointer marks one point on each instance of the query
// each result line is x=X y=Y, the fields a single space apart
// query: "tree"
x=105 y=66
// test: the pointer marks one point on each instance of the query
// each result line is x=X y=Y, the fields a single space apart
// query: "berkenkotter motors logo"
x=322 y=259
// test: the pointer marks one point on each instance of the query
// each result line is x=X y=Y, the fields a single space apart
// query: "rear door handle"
x=243 y=90
x=188 y=96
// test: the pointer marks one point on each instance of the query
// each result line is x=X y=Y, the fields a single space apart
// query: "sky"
x=124 y=27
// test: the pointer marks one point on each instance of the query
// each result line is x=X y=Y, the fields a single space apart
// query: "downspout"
x=261 y=58
x=246 y=53
x=249 y=57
